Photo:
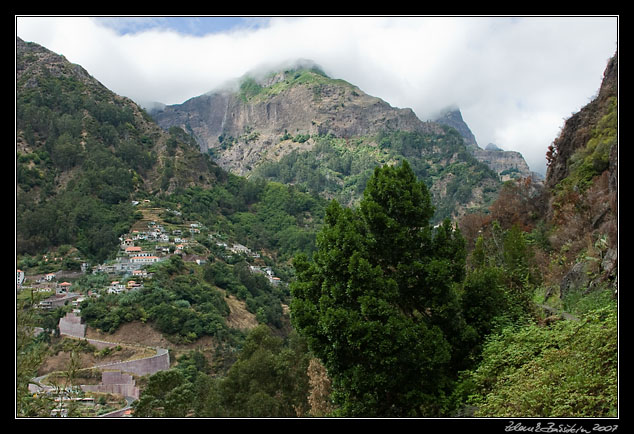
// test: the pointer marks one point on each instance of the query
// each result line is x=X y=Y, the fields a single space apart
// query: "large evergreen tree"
x=377 y=303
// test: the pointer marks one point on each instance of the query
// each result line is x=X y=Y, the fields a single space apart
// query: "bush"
x=567 y=370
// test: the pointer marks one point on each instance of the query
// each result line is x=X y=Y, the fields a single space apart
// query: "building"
x=63 y=287
x=49 y=277
x=116 y=287
x=144 y=260
x=133 y=250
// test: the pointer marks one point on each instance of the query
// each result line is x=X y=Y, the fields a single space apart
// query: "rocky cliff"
x=582 y=179
x=578 y=130
x=453 y=118
x=298 y=126
x=507 y=164
x=239 y=126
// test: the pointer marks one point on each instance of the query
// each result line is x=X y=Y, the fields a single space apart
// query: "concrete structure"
x=71 y=325
x=59 y=299
x=115 y=382
x=147 y=366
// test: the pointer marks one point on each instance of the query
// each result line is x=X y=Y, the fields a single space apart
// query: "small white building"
x=116 y=288
x=143 y=260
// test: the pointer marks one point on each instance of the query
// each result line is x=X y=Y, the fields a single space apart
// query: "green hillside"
x=412 y=283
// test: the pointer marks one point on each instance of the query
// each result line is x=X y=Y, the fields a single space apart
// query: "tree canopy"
x=378 y=303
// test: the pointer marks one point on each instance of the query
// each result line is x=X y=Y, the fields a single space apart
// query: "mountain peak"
x=492 y=147
x=265 y=72
x=240 y=125
x=452 y=117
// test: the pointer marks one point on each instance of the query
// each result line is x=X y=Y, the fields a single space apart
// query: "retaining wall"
x=115 y=382
x=71 y=325
x=150 y=365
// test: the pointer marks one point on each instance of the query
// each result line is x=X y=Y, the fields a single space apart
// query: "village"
x=139 y=250
x=147 y=244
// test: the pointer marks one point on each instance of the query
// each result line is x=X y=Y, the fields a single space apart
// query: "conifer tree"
x=377 y=303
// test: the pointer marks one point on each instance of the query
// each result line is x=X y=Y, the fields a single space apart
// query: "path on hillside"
x=159 y=352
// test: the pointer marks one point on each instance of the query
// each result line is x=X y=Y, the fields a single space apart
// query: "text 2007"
x=606 y=428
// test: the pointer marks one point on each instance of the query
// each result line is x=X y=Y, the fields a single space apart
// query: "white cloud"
x=514 y=79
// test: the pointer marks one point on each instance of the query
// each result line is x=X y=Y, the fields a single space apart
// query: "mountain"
x=245 y=125
x=507 y=164
x=299 y=126
x=582 y=127
x=453 y=118
x=582 y=180
x=85 y=155
x=66 y=115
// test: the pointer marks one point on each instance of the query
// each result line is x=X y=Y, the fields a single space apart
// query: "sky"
x=515 y=79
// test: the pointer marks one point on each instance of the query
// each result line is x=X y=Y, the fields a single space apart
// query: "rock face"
x=577 y=130
x=240 y=126
x=453 y=118
x=584 y=197
x=244 y=125
x=507 y=164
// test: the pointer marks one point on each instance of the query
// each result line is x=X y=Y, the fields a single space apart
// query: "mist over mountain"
x=284 y=123
x=509 y=304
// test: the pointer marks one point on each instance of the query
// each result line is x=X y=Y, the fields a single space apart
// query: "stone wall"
x=149 y=365
x=71 y=325
x=115 y=382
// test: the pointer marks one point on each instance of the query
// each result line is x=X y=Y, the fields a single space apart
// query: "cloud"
x=514 y=79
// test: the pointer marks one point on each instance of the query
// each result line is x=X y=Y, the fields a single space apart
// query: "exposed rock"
x=507 y=164
x=492 y=147
x=588 y=211
x=453 y=118
x=240 y=128
x=574 y=280
x=578 y=128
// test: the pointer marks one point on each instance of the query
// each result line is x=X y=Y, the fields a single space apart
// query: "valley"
x=298 y=248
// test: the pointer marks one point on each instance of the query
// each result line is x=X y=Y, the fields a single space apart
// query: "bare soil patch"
x=87 y=359
x=134 y=333
x=239 y=317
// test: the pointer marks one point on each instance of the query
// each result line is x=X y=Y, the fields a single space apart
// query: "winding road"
x=142 y=366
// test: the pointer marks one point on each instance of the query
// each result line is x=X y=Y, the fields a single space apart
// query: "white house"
x=20 y=277
x=133 y=250
x=144 y=259
x=239 y=248
x=116 y=288
x=139 y=273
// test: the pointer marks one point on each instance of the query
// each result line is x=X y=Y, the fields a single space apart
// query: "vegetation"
x=340 y=168
x=393 y=315
x=566 y=370
x=593 y=159
x=315 y=78
x=183 y=302
x=262 y=215
x=267 y=380
x=378 y=304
